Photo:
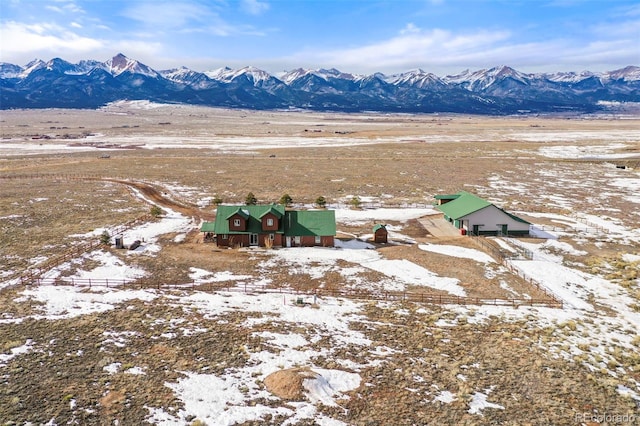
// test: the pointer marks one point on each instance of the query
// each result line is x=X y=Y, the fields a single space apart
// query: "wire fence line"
x=574 y=229
x=506 y=259
x=298 y=291
x=34 y=273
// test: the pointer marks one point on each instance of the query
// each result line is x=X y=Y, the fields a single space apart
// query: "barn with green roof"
x=476 y=216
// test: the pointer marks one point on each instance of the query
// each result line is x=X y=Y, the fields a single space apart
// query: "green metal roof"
x=514 y=217
x=274 y=211
x=292 y=223
x=240 y=212
x=463 y=205
x=253 y=214
x=447 y=196
x=207 y=227
x=379 y=226
x=310 y=222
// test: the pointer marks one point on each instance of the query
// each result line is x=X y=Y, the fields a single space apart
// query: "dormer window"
x=236 y=222
x=269 y=221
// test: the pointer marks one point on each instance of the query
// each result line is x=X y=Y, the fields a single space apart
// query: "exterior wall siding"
x=273 y=227
x=263 y=238
x=243 y=240
x=491 y=218
x=381 y=236
x=233 y=240
x=310 y=241
x=243 y=223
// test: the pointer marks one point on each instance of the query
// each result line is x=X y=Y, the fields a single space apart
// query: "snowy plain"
x=225 y=404
x=235 y=395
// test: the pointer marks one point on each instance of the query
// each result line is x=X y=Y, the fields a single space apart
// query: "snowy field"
x=345 y=343
x=233 y=396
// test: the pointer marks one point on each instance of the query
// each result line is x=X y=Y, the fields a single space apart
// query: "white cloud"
x=444 y=51
x=72 y=7
x=414 y=47
x=67 y=6
x=628 y=28
x=140 y=50
x=54 y=8
x=254 y=7
x=168 y=15
x=75 y=25
x=23 y=42
x=19 y=38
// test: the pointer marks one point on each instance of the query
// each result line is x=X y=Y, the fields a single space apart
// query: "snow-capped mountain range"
x=498 y=90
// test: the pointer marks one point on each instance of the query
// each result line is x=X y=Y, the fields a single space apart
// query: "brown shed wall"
x=380 y=236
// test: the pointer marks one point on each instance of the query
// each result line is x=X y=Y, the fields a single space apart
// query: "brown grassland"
x=65 y=187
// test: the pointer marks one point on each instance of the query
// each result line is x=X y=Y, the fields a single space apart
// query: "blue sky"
x=357 y=36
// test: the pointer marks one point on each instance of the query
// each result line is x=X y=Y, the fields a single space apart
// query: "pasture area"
x=155 y=352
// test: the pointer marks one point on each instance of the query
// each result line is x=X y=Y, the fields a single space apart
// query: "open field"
x=71 y=355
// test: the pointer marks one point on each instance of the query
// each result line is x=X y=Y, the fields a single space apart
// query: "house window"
x=318 y=239
x=296 y=240
x=225 y=236
x=272 y=237
x=269 y=221
x=236 y=222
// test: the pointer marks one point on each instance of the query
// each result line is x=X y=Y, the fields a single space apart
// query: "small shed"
x=380 y=233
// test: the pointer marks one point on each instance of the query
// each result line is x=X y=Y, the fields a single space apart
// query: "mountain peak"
x=120 y=64
x=497 y=90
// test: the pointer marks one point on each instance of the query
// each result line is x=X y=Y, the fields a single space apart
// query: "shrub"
x=155 y=211
x=216 y=201
x=321 y=202
x=105 y=237
x=251 y=199
x=286 y=200
x=355 y=202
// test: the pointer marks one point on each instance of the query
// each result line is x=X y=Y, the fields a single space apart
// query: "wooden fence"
x=80 y=248
x=532 y=281
x=247 y=288
x=587 y=229
x=505 y=259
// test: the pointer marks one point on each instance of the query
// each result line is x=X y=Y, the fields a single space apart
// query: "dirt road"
x=161 y=199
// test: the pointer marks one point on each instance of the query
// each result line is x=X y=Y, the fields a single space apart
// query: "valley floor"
x=182 y=336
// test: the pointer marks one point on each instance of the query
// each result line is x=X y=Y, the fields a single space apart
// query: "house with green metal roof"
x=476 y=216
x=271 y=225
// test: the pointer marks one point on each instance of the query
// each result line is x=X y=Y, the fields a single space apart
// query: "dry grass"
x=428 y=155
x=432 y=154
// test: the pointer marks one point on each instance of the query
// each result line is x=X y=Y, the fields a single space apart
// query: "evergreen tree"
x=105 y=237
x=355 y=202
x=251 y=199
x=321 y=202
x=286 y=200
